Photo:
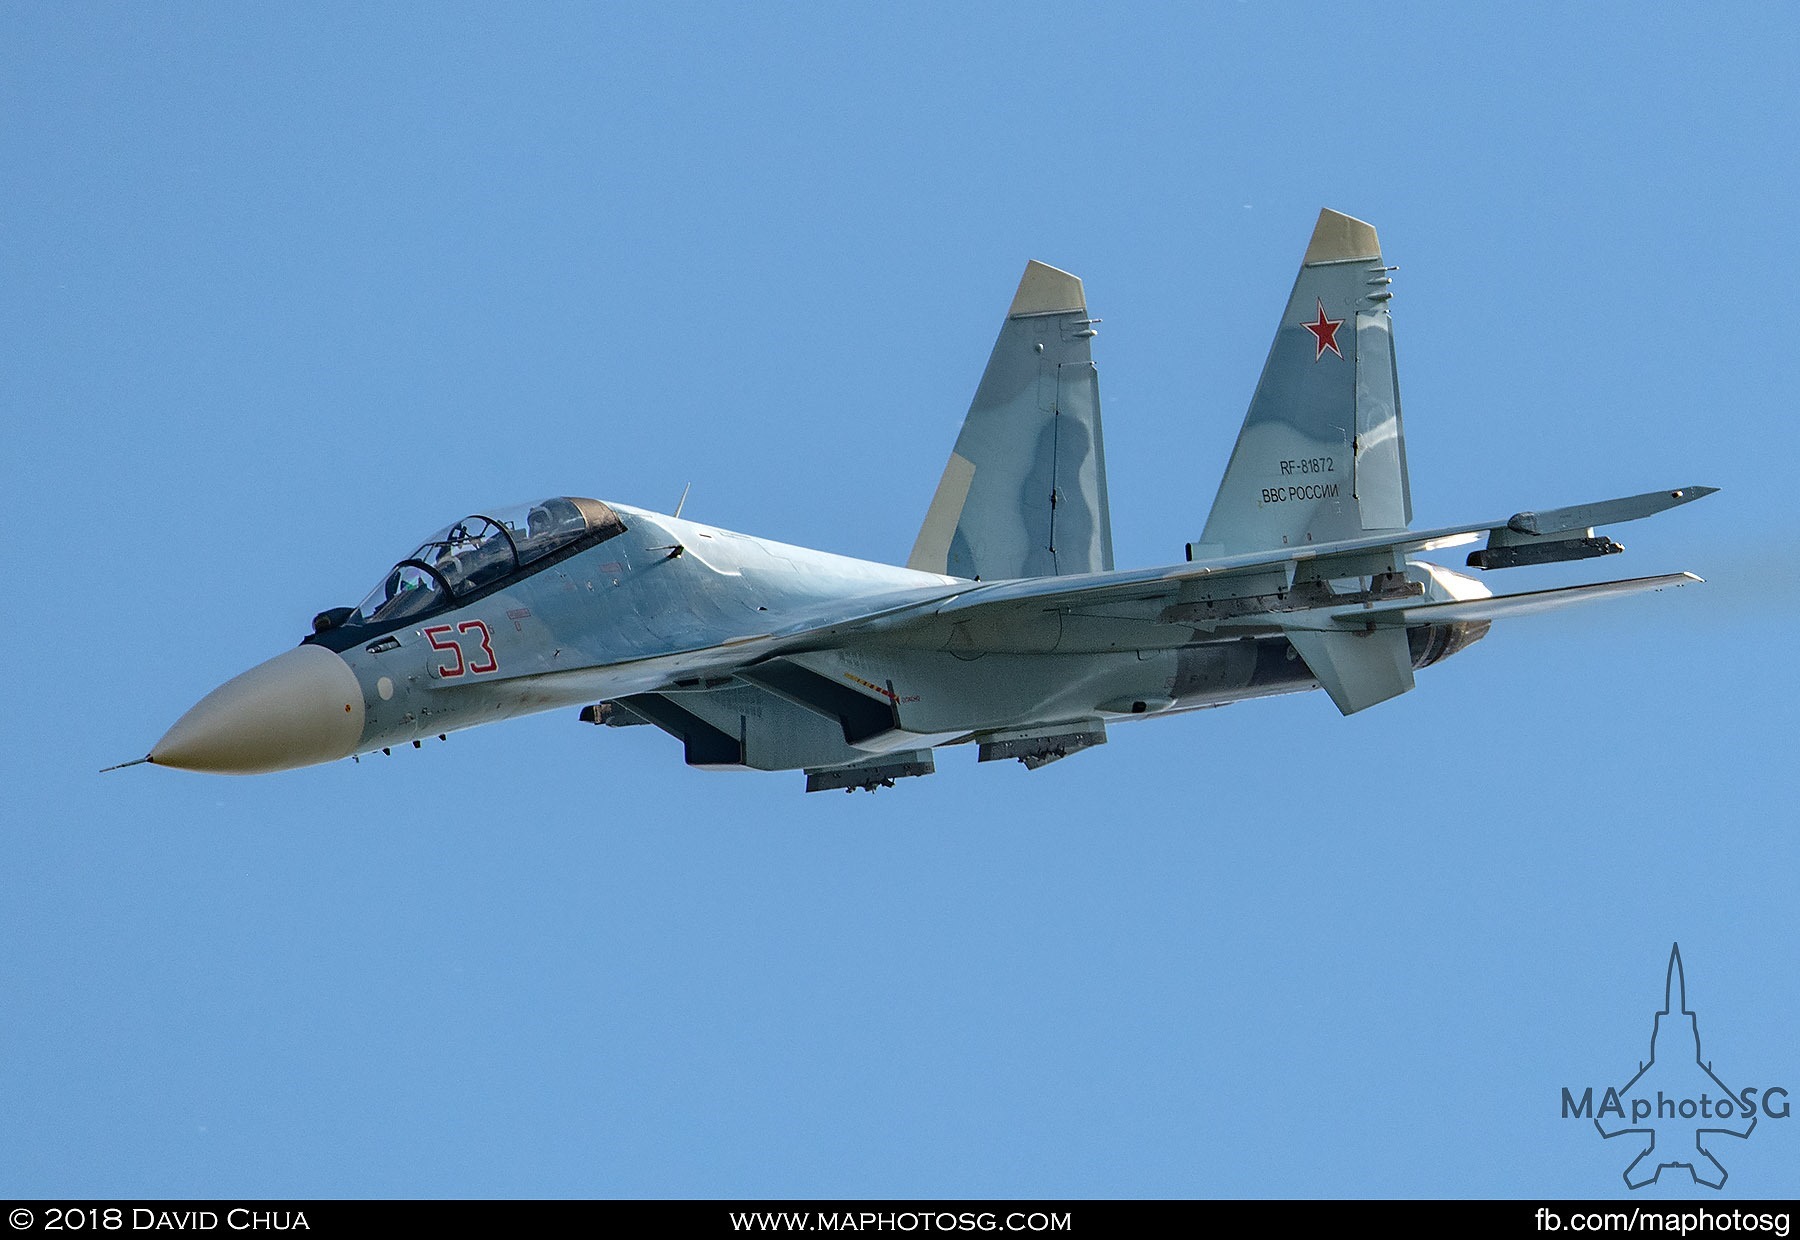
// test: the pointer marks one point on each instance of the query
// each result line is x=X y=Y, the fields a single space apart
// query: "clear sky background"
x=284 y=288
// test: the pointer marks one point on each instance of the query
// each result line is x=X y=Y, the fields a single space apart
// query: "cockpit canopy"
x=481 y=549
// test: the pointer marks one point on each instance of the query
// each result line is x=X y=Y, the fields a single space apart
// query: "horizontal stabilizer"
x=1358 y=670
x=1403 y=615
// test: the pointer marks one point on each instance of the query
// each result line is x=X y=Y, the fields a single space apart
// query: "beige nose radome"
x=298 y=709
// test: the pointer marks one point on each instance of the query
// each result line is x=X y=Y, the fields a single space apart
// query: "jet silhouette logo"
x=1676 y=1107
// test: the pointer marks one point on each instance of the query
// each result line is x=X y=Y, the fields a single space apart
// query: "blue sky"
x=285 y=289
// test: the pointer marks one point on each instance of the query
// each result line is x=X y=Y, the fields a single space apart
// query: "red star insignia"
x=1325 y=330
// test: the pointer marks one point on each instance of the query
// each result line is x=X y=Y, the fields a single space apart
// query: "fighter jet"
x=1008 y=627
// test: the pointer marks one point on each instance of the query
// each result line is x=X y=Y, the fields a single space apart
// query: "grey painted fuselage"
x=627 y=620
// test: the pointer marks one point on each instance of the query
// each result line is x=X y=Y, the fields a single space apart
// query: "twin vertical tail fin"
x=1024 y=494
x=1322 y=453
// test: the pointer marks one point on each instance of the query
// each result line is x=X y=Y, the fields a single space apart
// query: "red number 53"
x=449 y=640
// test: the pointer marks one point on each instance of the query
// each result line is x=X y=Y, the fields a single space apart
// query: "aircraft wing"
x=1354 y=641
x=1526 y=537
x=1257 y=591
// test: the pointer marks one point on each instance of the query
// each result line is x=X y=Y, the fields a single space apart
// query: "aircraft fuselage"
x=637 y=622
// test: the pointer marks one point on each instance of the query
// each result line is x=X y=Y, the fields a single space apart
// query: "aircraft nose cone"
x=299 y=708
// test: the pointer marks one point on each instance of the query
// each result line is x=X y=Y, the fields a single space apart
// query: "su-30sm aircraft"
x=1008 y=628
